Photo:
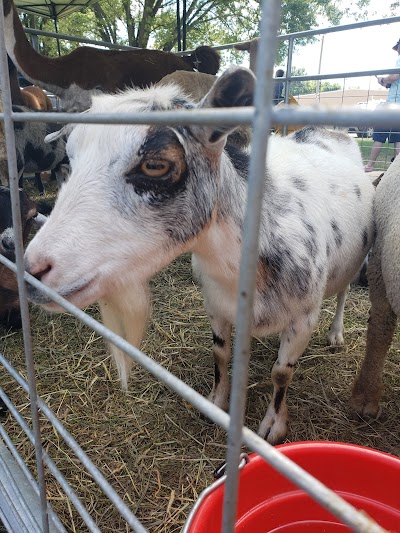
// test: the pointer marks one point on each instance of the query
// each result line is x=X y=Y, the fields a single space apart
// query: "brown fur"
x=31 y=96
x=367 y=389
x=384 y=294
x=105 y=70
x=35 y=98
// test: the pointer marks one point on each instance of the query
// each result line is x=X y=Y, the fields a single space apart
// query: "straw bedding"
x=154 y=448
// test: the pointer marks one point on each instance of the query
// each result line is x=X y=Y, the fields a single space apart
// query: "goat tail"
x=204 y=59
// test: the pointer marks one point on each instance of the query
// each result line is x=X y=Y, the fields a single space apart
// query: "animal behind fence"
x=9 y=300
x=139 y=196
x=384 y=292
x=87 y=70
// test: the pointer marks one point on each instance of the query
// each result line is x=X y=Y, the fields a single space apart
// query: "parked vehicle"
x=365 y=131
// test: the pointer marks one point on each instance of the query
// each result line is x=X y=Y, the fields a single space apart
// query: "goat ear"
x=63 y=132
x=235 y=88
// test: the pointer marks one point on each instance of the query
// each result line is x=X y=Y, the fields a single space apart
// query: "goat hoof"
x=365 y=410
x=273 y=430
x=334 y=341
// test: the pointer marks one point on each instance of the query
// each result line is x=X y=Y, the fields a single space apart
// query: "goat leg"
x=294 y=341
x=367 y=389
x=222 y=353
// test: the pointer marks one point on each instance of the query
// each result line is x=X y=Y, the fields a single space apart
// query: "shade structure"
x=53 y=9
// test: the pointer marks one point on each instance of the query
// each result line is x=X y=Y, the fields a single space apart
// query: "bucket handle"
x=220 y=477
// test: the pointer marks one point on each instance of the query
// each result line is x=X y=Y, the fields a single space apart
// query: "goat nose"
x=8 y=244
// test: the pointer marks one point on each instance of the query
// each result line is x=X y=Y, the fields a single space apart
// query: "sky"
x=354 y=50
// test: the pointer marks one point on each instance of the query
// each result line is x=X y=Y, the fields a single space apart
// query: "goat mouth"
x=79 y=295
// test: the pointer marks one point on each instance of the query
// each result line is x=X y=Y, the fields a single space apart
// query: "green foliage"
x=152 y=23
x=311 y=86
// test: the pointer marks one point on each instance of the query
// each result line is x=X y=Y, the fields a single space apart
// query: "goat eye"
x=155 y=168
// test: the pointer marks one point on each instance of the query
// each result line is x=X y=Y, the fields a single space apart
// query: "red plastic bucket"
x=269 y=503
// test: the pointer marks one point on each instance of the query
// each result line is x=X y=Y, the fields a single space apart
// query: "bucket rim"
x=297 y=445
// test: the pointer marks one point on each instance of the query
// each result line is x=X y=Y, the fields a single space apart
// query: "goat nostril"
x=8 y=244
x=39 y=275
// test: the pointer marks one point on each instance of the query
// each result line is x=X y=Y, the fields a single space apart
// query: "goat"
x=35 y=98
x=9 y=301
x=86 y=71
x=384 y=294
x=139 y=196
x=34 y=155
x=31 y=96
x=196 y=85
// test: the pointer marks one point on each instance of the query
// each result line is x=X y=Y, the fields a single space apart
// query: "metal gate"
x=24 y=504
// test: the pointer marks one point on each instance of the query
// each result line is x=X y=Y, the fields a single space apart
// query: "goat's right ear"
x=235 y=88
x=65 y=131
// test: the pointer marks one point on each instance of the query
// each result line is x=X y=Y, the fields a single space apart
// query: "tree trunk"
x=130 y=23
x=107 y=31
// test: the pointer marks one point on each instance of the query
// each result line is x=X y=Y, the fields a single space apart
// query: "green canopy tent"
x=53 y=9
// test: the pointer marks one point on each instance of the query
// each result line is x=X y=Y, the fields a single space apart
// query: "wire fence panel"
x=15 y=510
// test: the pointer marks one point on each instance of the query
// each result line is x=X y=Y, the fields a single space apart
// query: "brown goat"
x=31 y=96
x=9 y=300
x=35 y=98
x=84 y=71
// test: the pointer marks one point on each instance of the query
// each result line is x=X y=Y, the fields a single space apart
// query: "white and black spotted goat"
x=139 y=196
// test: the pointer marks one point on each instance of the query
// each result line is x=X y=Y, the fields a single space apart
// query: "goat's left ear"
x=234 y=88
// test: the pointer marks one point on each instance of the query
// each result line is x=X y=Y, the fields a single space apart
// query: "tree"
x=152 y=23
x=310 y=86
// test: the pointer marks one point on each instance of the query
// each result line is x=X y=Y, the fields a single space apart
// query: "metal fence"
x=24 y=505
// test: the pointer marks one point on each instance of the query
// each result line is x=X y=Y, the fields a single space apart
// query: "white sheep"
x=384 y=293
x=139 y=196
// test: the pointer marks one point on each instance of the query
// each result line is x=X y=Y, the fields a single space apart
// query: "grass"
x=383 y=160
x=153 y=447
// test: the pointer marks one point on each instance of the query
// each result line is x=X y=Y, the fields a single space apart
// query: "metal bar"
x=235 y=116
x=69 y=491
x=295 y=35
x=311 y=33
x=288 y=73
x=326 y=497
x=337 y=75
x=249 y=257
x=101 y=481
x=16 y=495
x=15 y=204
x=4 y=435
x=296 y=115
x=64 y=37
